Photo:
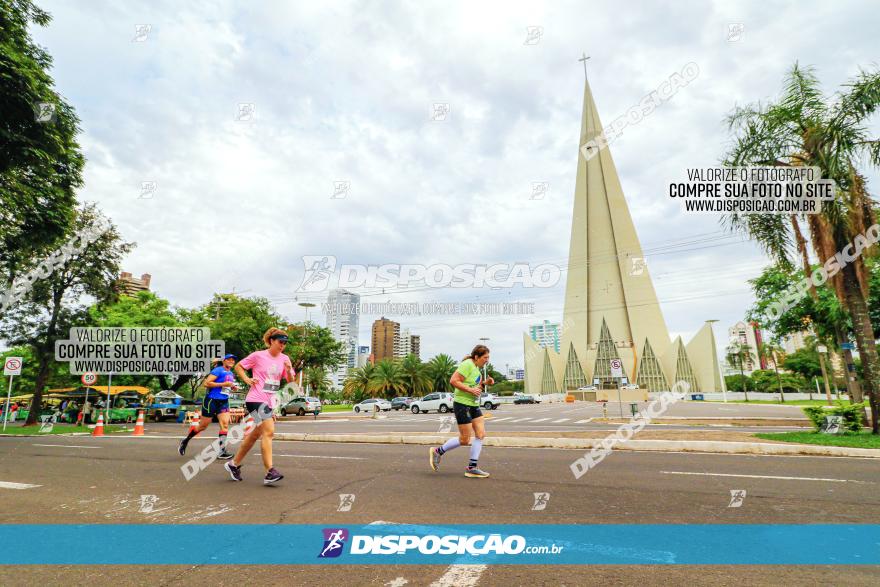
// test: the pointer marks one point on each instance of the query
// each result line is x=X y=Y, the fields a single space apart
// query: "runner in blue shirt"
x=215 y=406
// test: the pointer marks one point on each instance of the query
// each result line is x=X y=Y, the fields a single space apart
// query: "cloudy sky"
x=345 y=92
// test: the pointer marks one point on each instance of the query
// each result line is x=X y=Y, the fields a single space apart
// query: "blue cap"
x=230 y=356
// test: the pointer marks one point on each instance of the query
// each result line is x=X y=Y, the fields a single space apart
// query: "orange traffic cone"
x=194 y=424
x=249 y=424
x=99 y=427
x=139 y=425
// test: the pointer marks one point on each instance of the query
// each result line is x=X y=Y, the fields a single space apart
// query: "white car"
x=372 y=404
x=489 y=400
x=440 y=402
x=588 y=388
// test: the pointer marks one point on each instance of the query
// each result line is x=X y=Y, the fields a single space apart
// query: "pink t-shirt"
x=267 y=371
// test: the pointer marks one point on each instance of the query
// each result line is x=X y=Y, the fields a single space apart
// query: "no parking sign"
x=12 y=366
x=616 y=368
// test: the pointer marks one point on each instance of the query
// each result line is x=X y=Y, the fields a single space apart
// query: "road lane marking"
x=560 y=420
x=11 y=485
x=541 y=420
x=765 y=477
x=67 y=445
x=319 y=457
x=520 y=420
x=502 y=419
x=584 y=421
x=460 y=576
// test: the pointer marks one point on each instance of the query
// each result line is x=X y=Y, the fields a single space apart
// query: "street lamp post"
x=718 y=360
x=484 y=339
x=305 y=305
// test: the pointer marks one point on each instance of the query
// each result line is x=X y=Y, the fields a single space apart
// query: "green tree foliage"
x=415 y=373
x=440 y=370
x=40 y=161
x=56 y=304
x=387 y=379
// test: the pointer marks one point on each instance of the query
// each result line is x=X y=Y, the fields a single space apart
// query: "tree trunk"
x=743 y=375
x=778 y=380
x=825 y=378
x=864 y=333
x=42 y=376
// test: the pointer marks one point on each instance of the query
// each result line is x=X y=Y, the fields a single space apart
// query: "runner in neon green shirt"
x=468 y=383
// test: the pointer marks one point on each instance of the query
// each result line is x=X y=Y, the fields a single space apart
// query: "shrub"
x=852 y=415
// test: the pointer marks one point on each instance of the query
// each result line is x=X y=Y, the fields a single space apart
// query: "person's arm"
x=457 y=381
x=239 y=370
x=211 y=381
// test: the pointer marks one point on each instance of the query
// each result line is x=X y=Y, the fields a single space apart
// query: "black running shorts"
x=465 y=414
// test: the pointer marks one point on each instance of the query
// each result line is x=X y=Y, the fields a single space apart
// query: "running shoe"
x=475 y=472
x=434 y=458
x=234 y=472
x=225 y=456
x=181 y=448
x=273 y=476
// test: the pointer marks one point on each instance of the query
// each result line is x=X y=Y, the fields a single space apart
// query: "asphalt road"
x=89 y=480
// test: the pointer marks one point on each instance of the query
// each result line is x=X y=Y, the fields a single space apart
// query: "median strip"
x=703 y=446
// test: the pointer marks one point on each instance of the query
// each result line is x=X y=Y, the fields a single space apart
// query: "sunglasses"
x=281 y=340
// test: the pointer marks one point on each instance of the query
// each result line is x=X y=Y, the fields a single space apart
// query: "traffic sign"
x=616 y=368
x=89 y=378
x=848 y=346
x=12 y=366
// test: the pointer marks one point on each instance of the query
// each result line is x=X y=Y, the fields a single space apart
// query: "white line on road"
x=501 y=419
x=520 y=420
x=584 y=421
x=67 y=445
x=561 y=420
x=319 y=457
x=11 y=485
x=541 y=420
x=460 y=576
x=765 y=477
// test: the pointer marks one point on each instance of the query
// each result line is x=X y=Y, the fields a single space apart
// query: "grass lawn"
x=336 y=408
x=57 y=429
x=861 y=439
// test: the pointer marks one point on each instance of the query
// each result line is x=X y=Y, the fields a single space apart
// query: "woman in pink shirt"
x=267 y=369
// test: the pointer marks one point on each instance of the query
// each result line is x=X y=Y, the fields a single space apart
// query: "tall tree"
x=415 y=373
x=55 y=304
x=357 y=384
x=771 y=351
x=738 y=354
x=40 y=160
x=803 y=128
x=440 y=370
x=387 y=379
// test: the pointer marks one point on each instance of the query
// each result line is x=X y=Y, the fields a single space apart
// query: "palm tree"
x=387 y=379
x=738 y=354
x=415 y=373
x=316 y=379
x=805 y=129
x=440 y=370
x=772 y=351
x=356 y=385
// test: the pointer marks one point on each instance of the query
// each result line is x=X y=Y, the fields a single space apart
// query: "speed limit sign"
x=89 y=378
x=616 y=368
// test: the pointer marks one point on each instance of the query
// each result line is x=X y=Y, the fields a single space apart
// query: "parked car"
x=440 y=402
x=370 y=405
x=526 y=399
x=166 y=405
x=630 y=386
x=302 y=406
x=589 y=388
x=401 y=403
x=489 y=400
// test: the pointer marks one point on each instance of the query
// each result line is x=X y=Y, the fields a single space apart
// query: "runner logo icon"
x=334 y=541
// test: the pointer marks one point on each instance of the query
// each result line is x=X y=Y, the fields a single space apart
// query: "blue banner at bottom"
x=531 y=544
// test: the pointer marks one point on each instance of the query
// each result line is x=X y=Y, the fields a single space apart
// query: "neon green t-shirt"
x=472 y=377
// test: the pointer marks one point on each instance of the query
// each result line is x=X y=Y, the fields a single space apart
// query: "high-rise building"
x=794 y=342
x=611 y=310
x=385 y=339
x=131 y=285
x=546 y=334
x=363 y=356
x=408 y=345
x=747 y=334
x=343 y=323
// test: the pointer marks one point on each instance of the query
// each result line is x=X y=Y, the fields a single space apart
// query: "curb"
x=704 y=446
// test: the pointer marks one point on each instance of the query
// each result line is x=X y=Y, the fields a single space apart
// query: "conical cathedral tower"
x=611 y=308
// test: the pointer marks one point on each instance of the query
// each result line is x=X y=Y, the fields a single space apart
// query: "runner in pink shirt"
x=267 y=369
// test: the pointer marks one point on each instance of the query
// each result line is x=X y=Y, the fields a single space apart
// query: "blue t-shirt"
x=223 y=375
